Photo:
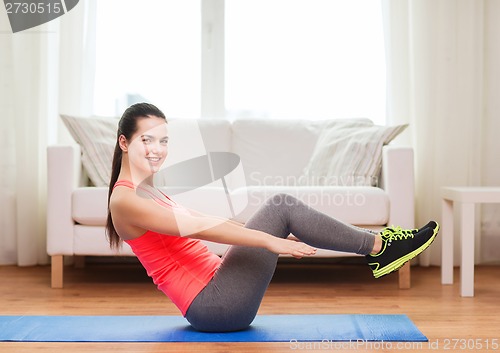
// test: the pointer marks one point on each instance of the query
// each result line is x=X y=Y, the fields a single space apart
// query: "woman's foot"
x=400 y=246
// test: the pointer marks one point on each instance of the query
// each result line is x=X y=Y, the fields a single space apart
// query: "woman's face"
x=148 y=147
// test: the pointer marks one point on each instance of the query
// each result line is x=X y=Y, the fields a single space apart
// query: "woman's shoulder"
x=127 y=205
x=123 y=206
x=122 y=196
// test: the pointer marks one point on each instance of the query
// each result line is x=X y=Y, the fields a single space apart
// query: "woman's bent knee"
x=282 y=199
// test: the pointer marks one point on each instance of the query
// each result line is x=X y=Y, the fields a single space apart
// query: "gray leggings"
x=231 y=299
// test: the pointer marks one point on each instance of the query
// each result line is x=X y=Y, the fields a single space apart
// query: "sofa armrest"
x=64 y=171
x=398 y=181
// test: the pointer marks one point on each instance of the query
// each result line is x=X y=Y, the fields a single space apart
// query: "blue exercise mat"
x=265 y=328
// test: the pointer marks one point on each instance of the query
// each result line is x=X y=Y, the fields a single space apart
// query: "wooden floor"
x=448 y=320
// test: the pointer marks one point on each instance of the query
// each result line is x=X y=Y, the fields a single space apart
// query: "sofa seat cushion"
x=359 y=205
x=90 y=204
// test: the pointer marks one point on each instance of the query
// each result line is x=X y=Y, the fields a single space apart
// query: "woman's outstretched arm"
x=131 y=211
x=199 y=214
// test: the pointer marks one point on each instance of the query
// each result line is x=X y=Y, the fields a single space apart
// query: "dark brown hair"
x=126 y=127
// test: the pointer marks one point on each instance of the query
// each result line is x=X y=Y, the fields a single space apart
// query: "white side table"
x=465 y=198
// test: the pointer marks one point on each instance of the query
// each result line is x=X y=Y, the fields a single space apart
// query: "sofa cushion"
x=355 y=205
x=349 y=154
x=275 y=152
x=189 y=138
x=359 y=205
x=197 y=149
x=90 y=205
x=272 y=149
x=97 y=139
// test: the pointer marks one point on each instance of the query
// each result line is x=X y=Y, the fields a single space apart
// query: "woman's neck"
x=137 y=178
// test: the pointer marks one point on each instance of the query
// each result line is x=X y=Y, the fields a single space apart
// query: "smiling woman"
x=146 y=151
x=215 y=294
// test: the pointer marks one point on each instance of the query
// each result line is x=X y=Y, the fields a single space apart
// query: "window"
x=310 y=59
x=305 y=59
x=148 y=50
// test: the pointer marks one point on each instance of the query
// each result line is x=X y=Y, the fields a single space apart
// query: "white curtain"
x=39 y=74
x=443 y=79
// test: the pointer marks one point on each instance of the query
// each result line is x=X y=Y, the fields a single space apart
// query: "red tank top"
x=180 y=267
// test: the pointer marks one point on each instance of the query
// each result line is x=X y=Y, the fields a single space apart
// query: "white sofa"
x=267 y=157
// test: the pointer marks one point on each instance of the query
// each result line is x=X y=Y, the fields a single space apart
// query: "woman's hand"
x=290 y=247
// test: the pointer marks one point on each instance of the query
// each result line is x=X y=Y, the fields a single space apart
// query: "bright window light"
x=309 y=59
x=148 y=50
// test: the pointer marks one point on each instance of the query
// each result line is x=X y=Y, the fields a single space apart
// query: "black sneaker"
x=396 y=229
x=400 y=246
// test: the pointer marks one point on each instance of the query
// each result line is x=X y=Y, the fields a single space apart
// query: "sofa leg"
x=57 y=267
x=404 y=276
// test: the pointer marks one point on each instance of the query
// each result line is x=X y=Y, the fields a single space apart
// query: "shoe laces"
x=397 y=233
